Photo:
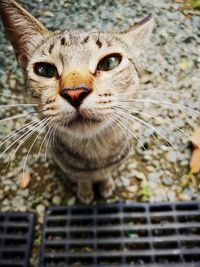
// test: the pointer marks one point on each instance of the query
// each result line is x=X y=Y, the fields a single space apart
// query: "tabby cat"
x=79 y=80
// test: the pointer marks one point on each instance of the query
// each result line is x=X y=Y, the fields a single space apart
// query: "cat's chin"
x=81 y=120
x=84 y=129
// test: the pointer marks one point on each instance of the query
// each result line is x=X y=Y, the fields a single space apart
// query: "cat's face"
x=81 y=86
x=76 y=77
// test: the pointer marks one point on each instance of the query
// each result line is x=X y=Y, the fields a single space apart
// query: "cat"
x=79 y=80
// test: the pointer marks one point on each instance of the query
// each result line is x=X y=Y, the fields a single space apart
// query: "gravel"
x=172 y=156
x=171 y=65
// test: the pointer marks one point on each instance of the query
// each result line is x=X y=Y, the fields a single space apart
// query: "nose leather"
x=75 y=96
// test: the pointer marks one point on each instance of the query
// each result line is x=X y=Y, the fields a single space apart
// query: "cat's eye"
x=45 y=70
x=109 y=62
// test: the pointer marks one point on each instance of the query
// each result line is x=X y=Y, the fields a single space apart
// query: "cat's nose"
x=75 y=96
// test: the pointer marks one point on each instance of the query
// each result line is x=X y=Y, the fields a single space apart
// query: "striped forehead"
x=74 y=47
x=77 y=39
x=84 y=38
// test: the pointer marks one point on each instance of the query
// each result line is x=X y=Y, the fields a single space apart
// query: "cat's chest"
x=91 y=153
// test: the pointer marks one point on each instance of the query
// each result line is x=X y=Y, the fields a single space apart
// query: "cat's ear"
x=138 y=37
x=21 y=27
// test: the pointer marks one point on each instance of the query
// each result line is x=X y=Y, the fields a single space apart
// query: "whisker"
x=122 y=130
x=123 y=125
x=24 y=98
x=11 y=96
x=145 y=127
x=14 y=117
x=42 y=143
x=173 y=105
x=151 y=91
x=157 y=117
x=19 y=130
x=110 y=121
x=51 y=135
x=25 y=137
x=37 y=123
x=54 y=134
x=16 y=132
x=22 y=115
x=30 y=148
x=18 y=105
x=133 y=118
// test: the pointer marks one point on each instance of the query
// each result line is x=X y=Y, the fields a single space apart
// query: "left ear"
x=21 y=27
x=138 y=37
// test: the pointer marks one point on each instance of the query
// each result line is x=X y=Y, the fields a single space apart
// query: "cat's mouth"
x=81 y=119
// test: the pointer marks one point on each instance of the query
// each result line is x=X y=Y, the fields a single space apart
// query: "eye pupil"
x=45 y=70
x=109 y=62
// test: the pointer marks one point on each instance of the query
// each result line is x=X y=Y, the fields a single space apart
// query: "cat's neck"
x=104 y=149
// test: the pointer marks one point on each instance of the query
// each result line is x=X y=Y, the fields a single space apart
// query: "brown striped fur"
x=86 y=148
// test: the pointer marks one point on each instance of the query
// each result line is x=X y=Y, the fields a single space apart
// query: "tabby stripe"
x=86 y=39
x=99 y=43
x=63 y=41
x=51 y=48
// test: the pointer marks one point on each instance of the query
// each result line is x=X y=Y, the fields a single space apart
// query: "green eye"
x=109 y=62
x=45 y=70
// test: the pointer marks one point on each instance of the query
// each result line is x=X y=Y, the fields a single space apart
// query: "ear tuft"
x=21 y=27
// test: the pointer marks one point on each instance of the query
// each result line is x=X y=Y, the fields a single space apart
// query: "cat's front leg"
x=107 y=187
x=85 y=191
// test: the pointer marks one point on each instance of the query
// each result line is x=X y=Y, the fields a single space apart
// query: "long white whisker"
x=132 y=117
x=54 y=134
x=38 y=123
x=18 y=105
x=15 y=133
x=51 y=135
x=145 y=127
x=156 y=117
x=25 y=136
x=150 y=91
x=179 y=106
x=44 y=123
x=110 y=121
x=123 y=125
x=11 y=96
x=115 y=119
x=42 y=143
x=14 y=117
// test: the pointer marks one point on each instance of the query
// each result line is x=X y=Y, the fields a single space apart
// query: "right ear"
x=21 y=28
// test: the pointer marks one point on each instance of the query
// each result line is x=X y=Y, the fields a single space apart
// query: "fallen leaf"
x=180 y=1
x=24 y=179
x=195 y=161
x=196 y=138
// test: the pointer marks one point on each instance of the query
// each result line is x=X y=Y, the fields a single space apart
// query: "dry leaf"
x=195 y=161
x=180 y=1
x=196 y=138
x=24 y=179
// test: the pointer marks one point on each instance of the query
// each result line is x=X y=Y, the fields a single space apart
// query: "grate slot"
x=16 y=238
x=161 y=234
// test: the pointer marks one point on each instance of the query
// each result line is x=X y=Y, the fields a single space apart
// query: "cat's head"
x=77 y=77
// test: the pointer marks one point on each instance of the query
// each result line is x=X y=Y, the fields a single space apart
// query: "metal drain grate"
x=130 y=234
x=16 y=236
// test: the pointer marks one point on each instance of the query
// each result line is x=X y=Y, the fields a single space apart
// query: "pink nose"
x=75 y=96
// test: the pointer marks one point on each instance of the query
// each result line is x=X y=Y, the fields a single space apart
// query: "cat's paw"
x=107 y=187
x=86 y=197
x=85 y=192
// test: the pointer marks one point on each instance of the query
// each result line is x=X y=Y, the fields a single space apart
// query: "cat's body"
x=78 y=80
x=91 y=161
